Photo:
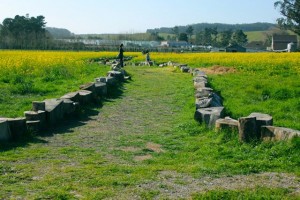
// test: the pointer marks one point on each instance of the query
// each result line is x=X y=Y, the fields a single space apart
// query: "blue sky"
x=132 y=16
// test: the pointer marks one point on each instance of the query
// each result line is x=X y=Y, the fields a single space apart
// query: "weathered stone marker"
x=247 y=129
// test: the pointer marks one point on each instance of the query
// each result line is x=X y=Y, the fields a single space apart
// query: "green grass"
x=101 y=157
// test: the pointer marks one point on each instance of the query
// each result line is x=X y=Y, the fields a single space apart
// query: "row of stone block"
x=257 y=126
x=208 y=103
x=209 y=110
x=50 y=112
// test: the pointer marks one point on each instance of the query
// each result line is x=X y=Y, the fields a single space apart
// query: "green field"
x=143 y=143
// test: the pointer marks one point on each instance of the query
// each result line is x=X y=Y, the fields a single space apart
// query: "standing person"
x=121 y=55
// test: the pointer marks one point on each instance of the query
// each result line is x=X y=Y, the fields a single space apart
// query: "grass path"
x=141 y=144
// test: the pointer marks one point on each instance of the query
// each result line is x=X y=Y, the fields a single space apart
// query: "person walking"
x=121 y=55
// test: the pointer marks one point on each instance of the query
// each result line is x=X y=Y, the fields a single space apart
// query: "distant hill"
x=260 y=26
x=60 y=33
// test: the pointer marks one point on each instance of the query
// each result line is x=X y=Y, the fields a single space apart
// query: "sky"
x=135 y=16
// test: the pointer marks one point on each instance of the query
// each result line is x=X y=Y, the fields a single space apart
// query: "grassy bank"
x=144 y=144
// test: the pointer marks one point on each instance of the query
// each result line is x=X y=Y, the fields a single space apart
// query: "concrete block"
x=116 y=74
x=262 y=120
x=33 y=127
x=17 y=127
x=38 y=105
x=37 y=116
x=69 y=107
x=111 y=81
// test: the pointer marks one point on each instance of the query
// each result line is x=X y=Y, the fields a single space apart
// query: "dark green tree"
x=290 y=10
x=239 y=37
x=175 y=30
x=183 y=37
x=23 y=33
x=190 y=31
x=225 y=38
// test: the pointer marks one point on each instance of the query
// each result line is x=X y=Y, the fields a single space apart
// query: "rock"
x=197 y=72
x=227 y=124
x=116 y=74
x=271 y=133
x=203 y=102
x=200 y=79
x=216 y=100
x=262 y=120
x=54 y=111
x=247 y=129
x=38 y=105
x=203 y=92
x=209 y=115
x=184 y=69
x=100 y=79
x=199 y=85
x=5 y=134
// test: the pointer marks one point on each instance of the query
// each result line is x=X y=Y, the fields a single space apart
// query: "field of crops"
x=263 y=82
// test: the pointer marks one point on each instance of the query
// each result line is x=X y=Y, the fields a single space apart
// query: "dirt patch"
x=173 y=185
x=217 y=69
x=130 y=149
x=142 y=158
x=154 y=147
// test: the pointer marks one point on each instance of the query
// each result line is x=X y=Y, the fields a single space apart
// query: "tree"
x=23 y=32
x=189 y=31
x=239 y=37
x=175 y=30
x=183 y=37
x=225 y=38
x=290 y=9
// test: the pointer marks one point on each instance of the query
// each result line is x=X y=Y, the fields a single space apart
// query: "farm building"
x=175 y=44
x=280 y=42
x=256 y=46
x=235 y=48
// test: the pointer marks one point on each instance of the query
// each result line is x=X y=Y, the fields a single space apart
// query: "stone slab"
x=209 y=116
x=272 y=133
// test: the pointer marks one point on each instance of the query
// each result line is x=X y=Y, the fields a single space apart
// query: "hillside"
x=259 y=26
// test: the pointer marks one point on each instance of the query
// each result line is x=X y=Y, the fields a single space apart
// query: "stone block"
x=100 y=79
x=101 y=89
x=247 y=129
x=199 y=85
x=272 y=133
x=116 y=74
x=203 y=92
x=69 y=107
x=197 y=72
x=209 y=116
x=17 y=127
x=73 y=96
x=85 y=97
x=111 y=81
x=203 y=102
x=227 y=124
x=38 y=105
x=40 y=115
x=262 y=120
x=54 y=111
x=200 y=79
x=184 y=69
x=5 y=134
x=33 y=127
x=88 y=86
